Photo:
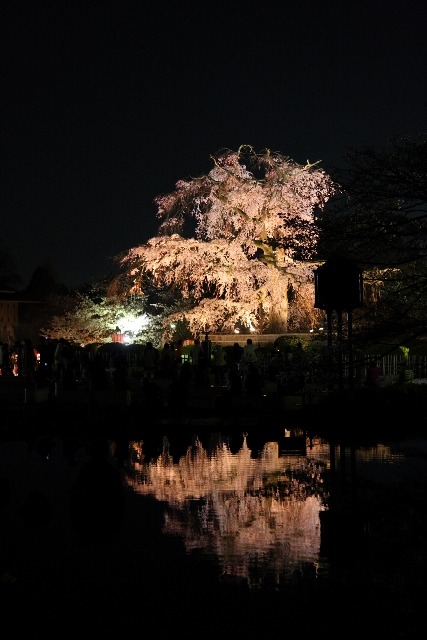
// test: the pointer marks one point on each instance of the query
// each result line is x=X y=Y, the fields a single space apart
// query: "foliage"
x=412 y=347
x=252 y=228
x=379 y=220
x=94 y=317
x=291 y=343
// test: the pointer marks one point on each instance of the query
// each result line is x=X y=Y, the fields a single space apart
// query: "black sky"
x=106 y=104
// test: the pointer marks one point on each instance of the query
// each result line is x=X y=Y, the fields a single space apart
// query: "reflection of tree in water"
x=259 y=516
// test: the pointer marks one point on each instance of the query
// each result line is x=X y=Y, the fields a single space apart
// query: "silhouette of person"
x=98 y=374
x=195 y=359
x=249 y=352
x=219 y=365
x=374 y=375
x=150 y=361
x=253 y=381
x=236 y=355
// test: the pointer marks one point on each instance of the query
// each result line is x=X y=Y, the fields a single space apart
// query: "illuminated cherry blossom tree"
x=235 y=245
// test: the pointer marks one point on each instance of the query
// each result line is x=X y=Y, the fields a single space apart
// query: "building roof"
x=7 y=293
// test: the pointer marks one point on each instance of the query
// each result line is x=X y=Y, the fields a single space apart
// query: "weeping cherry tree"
x=234 y=246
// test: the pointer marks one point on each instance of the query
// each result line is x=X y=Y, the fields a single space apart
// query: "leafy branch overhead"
x=379 y=221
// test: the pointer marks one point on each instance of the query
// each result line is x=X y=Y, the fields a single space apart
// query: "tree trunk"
x=278 y=321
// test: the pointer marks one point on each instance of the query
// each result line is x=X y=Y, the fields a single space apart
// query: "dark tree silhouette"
x=379 y=220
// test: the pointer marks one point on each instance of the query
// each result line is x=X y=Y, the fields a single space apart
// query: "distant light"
x=320 y=328
x=311 y=330
x=236 y=331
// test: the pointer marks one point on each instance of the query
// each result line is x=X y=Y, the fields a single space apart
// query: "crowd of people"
x=166 y=374
x=18 y=360
x=162 y=370
x=42 y=363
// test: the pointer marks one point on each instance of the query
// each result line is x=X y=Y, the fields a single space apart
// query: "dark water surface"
x=211 y=533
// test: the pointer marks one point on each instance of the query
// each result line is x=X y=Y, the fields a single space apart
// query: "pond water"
x=280 y=533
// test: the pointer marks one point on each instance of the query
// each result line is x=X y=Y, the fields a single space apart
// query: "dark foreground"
x=81 y=554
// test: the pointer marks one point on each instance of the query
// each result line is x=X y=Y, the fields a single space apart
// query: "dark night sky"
x=106 y=104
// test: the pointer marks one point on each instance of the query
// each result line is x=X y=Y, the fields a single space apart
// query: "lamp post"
x=338 y=287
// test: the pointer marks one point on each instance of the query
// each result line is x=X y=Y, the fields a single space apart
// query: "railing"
x=392 y=366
